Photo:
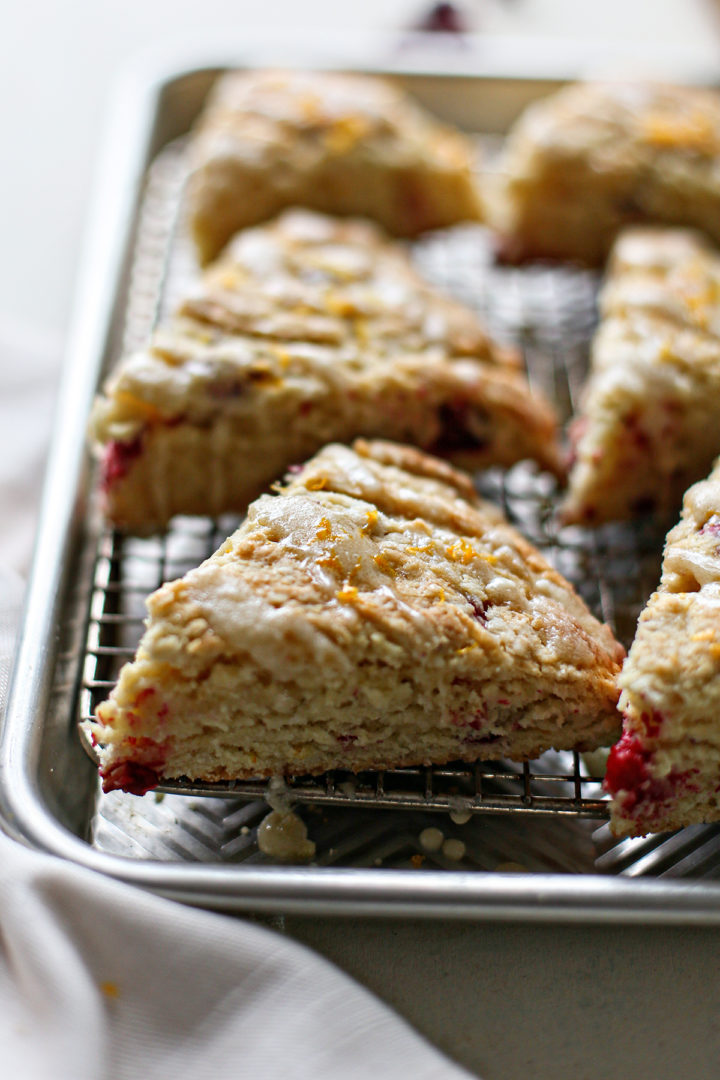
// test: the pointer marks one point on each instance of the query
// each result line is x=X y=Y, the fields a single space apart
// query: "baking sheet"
x=369 y=860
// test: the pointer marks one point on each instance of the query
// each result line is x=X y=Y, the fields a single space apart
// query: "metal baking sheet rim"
x=24 y=809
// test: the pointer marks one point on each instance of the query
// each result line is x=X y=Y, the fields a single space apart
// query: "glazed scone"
x=375 y=613
x=595 y=157
x=308 y=330
x=341 y=144
x=664 y=773
x=648 y=420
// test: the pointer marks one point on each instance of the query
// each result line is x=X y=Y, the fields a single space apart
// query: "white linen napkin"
x=101 y=980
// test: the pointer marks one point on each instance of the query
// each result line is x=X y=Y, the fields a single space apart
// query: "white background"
x=58 y=61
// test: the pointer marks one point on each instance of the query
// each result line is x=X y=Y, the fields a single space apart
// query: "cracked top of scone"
x=383 y=533
x=671 y=275
x=346 y=108
x=646 y=428
x=592 y=158
x=616 y=117
x=340 y=143
x=374 y=613
x=674 y=660
x=302 y=299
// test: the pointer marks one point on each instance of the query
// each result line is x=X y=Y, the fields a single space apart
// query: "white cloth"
x=101 y=981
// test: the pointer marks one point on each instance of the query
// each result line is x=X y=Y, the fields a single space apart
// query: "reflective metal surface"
x=85 y=613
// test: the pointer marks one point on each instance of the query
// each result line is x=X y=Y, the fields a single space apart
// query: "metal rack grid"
x=128 y=569
x=549 y=313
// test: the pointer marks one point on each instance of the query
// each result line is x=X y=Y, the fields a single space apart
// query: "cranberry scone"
x=309 y=330
x=648 y=421
x=664 y=773
x=594 y=157
x=341 y=144
x=374 y=613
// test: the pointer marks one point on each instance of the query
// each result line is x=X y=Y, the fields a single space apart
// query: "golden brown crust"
x=648 y=426
x=375 y=613
x=341 y=144
x=665 y=772
x=308 y=330
x=593 y=158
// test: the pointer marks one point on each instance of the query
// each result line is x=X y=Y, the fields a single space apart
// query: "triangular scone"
x=649 y=418
x=664 y=772
x=308 y=330
x=341 y=144
x=375 y=613
x=593 y=158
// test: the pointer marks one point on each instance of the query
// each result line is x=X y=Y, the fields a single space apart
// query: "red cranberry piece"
x=479 y=608
x=444 y=19
x=117 y=459
x=652 y=722
x=129 y=776
x=462 y=428
x=627 y=765
x=222 y=389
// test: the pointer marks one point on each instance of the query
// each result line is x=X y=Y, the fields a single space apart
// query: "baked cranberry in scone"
x=665 y=770
x=375 y=613
x=307 y=330
x=648 y=426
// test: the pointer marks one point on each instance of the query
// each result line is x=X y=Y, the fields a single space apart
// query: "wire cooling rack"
x=549 y=313
x=127 y=569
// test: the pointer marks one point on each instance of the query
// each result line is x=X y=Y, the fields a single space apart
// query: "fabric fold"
x=98 y=979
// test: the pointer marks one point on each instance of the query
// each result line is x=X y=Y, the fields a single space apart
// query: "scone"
x=664 y=772
x=648 y=426
x=308 y=330
x=375 y=613
x=593 y=158
x=342 y=144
